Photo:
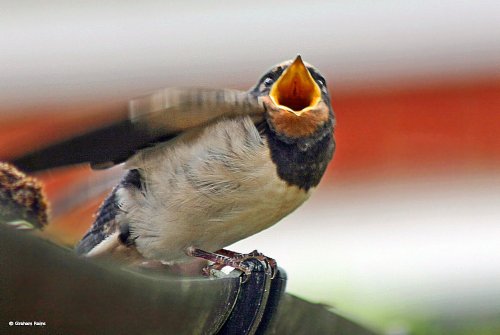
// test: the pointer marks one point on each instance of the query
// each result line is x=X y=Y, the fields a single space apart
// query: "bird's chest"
x=211 y=192
x=255 y=205
x=217 y=202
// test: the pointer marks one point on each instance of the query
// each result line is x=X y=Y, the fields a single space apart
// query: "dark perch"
x=43 y=282
x=40 y=281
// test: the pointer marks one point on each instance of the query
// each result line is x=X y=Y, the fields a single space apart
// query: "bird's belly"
x=247 y=216
x=209 y=191
x=211 y=224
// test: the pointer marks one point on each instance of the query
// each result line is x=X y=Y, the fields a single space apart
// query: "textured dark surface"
x=251 y=302
x=276 y=292
x=43 y=282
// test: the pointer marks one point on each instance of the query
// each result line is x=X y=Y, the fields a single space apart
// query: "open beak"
x=295 y=90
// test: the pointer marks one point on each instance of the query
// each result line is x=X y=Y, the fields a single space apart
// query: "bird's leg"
x=237 y=258
x=219 y=260
x=270 y=262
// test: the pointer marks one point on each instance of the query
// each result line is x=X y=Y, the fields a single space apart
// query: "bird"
x=204 y=168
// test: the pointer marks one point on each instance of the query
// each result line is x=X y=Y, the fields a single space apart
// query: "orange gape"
x=296 y=90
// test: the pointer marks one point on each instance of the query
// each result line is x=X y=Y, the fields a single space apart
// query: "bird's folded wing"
x=153 y=118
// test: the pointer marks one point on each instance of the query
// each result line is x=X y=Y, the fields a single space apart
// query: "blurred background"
x=403 y=232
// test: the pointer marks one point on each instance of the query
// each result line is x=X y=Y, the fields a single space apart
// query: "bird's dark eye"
x=268 y=81
x=322 y=84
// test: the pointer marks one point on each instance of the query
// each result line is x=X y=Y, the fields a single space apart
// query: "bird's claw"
x=235 y=260
x=270 y=264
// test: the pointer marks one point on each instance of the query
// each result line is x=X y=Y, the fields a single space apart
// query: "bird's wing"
x=156 y=117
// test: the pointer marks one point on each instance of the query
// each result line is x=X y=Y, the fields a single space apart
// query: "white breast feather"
x=208 y=188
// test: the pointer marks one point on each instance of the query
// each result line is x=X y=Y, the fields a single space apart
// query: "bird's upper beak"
x=295 y=90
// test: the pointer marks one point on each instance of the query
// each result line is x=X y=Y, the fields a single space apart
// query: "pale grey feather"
x=172 y=110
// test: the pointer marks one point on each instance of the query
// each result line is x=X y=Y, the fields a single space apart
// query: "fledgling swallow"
x=206 y=168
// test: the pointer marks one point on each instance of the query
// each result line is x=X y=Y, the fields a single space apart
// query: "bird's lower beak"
x=295 y=90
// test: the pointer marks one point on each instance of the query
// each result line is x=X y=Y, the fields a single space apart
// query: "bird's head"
x=296 y=99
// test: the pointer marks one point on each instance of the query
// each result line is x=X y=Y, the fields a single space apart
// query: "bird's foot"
x=271 y=264
x=223 y=257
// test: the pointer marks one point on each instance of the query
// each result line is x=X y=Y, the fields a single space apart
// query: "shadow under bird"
x=205 y=167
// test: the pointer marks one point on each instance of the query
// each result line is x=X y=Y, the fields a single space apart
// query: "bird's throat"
x=291 y=125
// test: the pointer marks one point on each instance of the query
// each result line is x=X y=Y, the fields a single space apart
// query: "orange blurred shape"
x=68 y=222
x=22 y=131
x=75 y=194
x=425 y=129
x=68 y=228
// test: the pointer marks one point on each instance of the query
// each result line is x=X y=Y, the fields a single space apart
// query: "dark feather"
x=112 y=144
x=150 y=119
x=104 y=225
x=302 y=162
